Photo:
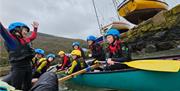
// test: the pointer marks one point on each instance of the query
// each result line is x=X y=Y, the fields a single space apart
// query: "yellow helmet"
x=61 y=53
x=76 y=52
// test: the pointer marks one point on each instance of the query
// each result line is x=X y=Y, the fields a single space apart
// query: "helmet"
x=76 y=44
x=39 y=51
x=91 y=37
x=76 y=52
x=113 y=32
x=12 y=26
x=51 y=55
x=61 y=53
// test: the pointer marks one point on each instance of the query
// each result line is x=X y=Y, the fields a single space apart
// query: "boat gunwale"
x=115 y=71
x=131 y=69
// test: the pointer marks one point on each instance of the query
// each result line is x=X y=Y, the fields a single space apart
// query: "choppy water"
x=74 y=87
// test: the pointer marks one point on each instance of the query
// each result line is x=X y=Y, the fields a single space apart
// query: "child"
x=20 y=53
x=96 y=51
x=65 y=61
x=39 y=53
x=43 y=65
x=117 y=50
x=77 y=63
x=76 y=46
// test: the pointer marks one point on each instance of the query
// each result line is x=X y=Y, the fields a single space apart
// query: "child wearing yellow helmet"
x=65 y=61
x=78 y=63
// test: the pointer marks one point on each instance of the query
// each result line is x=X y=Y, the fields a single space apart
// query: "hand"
x=67 y=72
x=96 y=62
x=35 y=24
x=90 y=55
x=109 y=61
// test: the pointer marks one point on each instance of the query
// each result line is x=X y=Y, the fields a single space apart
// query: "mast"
x=115 y=7
x=99 y=25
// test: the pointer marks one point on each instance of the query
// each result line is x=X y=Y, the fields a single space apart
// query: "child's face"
x=24 y=32
x=74 y=56
x=50 y=59
x=62 y=55
x=76 y=47
x=38 y=55
x=89 y=42
x=110 y=39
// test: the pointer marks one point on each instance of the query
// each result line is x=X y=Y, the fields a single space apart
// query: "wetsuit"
x=118 y=51
x=20 y=56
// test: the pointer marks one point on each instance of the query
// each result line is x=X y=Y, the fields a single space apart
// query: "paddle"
x=155 y=65
x=78 y=73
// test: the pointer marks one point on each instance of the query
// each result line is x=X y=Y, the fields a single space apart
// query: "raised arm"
x=33 y=34
x=9 y=39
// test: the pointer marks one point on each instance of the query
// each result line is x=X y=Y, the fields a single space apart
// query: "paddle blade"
x=155 y=65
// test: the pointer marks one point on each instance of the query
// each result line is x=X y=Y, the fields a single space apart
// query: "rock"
x=158 y=33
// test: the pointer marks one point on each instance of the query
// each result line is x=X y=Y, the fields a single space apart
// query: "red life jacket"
x=115 y=47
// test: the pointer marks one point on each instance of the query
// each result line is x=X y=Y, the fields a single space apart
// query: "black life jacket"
x=97 y=49
x=20 y=53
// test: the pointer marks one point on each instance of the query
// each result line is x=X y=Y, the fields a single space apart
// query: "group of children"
x=116 y=52
x=28 y=63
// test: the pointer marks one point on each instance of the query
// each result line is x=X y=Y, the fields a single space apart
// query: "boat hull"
x=136 y=11
x=133 y=80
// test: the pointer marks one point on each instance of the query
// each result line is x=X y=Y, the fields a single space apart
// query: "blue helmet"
x=51 y=55
x=12 y=26
x=76 y=44
x=39 y=51
x=113 y=32
x=91 y=37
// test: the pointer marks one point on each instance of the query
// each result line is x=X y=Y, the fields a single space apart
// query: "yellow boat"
x=136 y=11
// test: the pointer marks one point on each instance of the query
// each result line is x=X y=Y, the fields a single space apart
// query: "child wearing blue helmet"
x=20 y=53
x=117 y=50
x=39 y=53
x=43 y=64
x=76 y=46
x=96 y=50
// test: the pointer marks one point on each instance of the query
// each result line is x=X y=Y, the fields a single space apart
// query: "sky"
x=65 y=18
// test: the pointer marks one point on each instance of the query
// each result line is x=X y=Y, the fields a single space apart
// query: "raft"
x=136 y=11
x=130 y=80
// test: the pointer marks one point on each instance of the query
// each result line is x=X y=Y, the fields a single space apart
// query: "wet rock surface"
x=161 y=32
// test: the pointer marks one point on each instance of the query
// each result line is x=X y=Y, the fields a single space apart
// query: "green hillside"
x=51 y=44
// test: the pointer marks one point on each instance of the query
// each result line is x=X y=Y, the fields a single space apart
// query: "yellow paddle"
x=78 y=73
x=155 y=65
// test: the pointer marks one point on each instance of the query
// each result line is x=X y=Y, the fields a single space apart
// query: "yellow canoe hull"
x=140 y=9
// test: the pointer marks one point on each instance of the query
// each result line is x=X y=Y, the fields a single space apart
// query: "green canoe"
x=131 y=80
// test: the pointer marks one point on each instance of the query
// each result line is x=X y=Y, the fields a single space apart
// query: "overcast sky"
x=66 y=18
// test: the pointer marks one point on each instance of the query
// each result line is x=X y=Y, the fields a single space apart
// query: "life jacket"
x=21 y=52
x=45 y=67
x=119 y=49
x=98 y=51
x=78 y=66
x=66 y=58
x=82 y=53
x=35 y=62
x=115 y=47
